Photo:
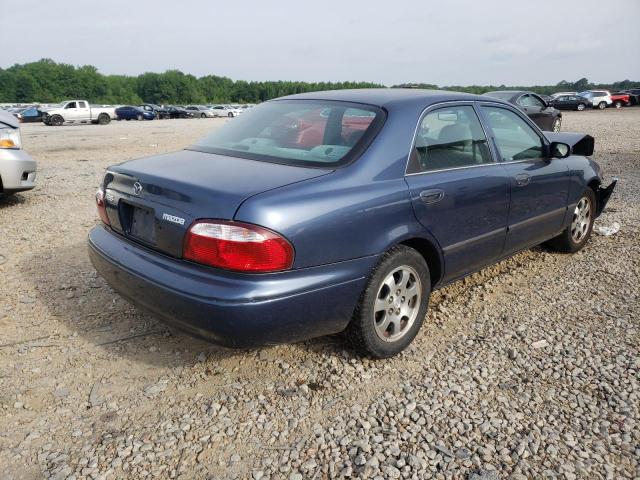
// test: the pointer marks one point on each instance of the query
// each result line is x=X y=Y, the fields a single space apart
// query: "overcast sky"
x=446 y=42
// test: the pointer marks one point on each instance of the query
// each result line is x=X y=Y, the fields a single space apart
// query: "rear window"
x=298 y=132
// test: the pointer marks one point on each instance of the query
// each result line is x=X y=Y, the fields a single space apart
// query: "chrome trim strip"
x=524 y=223
x=468 y=241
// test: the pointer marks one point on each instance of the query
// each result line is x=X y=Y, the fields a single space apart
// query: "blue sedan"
x=129 y=112
x=339 y=211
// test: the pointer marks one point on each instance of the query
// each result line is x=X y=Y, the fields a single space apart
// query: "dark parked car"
x=179 y=112
x=29 y=114
x=134 y=113
x=571 y=102
x=339 y=211
x=157 y=110
x=634 y=95
x=544 y=115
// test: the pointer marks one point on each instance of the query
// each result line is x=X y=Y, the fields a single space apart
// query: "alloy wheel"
x=581 y=220
x=397 y=304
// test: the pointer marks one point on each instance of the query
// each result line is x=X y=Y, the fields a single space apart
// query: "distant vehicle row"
x=80 y=111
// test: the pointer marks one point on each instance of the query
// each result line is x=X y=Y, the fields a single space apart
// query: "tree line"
x=47 y=81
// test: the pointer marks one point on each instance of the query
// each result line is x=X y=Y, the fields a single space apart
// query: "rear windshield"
x=297 y=132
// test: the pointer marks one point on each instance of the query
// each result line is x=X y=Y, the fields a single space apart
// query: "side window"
x=515 y=139
x=535 y=101
x=71 y=105
x=450 y=137
x=82 y=104
x=523 y=101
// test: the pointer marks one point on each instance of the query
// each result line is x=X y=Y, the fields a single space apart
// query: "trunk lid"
x=154 y=200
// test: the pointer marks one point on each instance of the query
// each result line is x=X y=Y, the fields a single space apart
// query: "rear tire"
x=576 y=235
x=618 y=104
x=230 y=115
x=140 y=117
x=103 y=119
x=602 y=105
x=393 y=305
x=581 y=107
x=203 y=116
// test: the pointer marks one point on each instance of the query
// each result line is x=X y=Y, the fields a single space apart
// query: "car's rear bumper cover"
x=232 y=309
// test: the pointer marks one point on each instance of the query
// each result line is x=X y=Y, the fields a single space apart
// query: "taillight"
x=102 y=208
x=237 y=246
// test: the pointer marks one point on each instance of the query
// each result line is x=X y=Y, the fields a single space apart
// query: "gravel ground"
x=528 y=369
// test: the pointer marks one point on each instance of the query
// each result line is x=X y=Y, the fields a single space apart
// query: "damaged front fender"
x=603 y=194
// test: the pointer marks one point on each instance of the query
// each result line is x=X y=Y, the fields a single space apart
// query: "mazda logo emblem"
x=137 y=188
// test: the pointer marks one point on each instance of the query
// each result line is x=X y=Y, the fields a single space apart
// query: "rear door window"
x=450 y=137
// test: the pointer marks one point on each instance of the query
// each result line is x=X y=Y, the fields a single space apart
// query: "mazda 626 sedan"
x=339 y=211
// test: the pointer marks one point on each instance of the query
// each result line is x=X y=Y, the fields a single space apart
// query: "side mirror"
x=559 y=150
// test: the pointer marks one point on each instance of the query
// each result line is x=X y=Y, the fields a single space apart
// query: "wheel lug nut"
x=391 y=310
x=398 y=311
x=391 y=299
x=397 y=292
x=402 y=299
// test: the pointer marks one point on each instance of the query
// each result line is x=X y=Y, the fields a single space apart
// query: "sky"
x=445 y=42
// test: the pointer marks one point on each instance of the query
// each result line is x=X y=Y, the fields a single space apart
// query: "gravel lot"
x=528 y=369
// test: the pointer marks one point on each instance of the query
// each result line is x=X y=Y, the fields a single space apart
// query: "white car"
x=17 y=168
x=225 y=111
x=599 y=98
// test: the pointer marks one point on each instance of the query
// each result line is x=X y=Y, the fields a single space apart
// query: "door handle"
x=431 y=196
x=523 y=179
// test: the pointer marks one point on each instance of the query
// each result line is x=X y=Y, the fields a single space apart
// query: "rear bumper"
x=235 y=310
x=17 y=171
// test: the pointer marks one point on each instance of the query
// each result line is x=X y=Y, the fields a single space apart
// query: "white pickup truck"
x=78 y=111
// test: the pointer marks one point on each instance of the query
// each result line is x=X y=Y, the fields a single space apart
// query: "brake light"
x=237 y=246
x=102 y=208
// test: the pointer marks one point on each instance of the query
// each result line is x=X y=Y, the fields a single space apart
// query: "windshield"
x=297 y=132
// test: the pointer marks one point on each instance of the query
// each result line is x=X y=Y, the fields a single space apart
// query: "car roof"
x=385 y=97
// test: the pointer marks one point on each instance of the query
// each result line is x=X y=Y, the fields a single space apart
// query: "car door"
x=72 y=112
x=536 y=108
x=84 y=112
x=459 y=193
x=562 y=102
x=539 y=186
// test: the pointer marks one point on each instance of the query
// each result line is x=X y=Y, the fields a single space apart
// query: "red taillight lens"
x=237 y=246
x=102 y=209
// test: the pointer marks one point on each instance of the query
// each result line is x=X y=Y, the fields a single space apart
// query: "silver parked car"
x=17 y=168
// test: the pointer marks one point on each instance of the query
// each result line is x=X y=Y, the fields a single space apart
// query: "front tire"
x=203 y=116
x=602 y=105
x=57 y=121
x=230 y=114
x=576 y=235
x=140 y=117
x=393 y=304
